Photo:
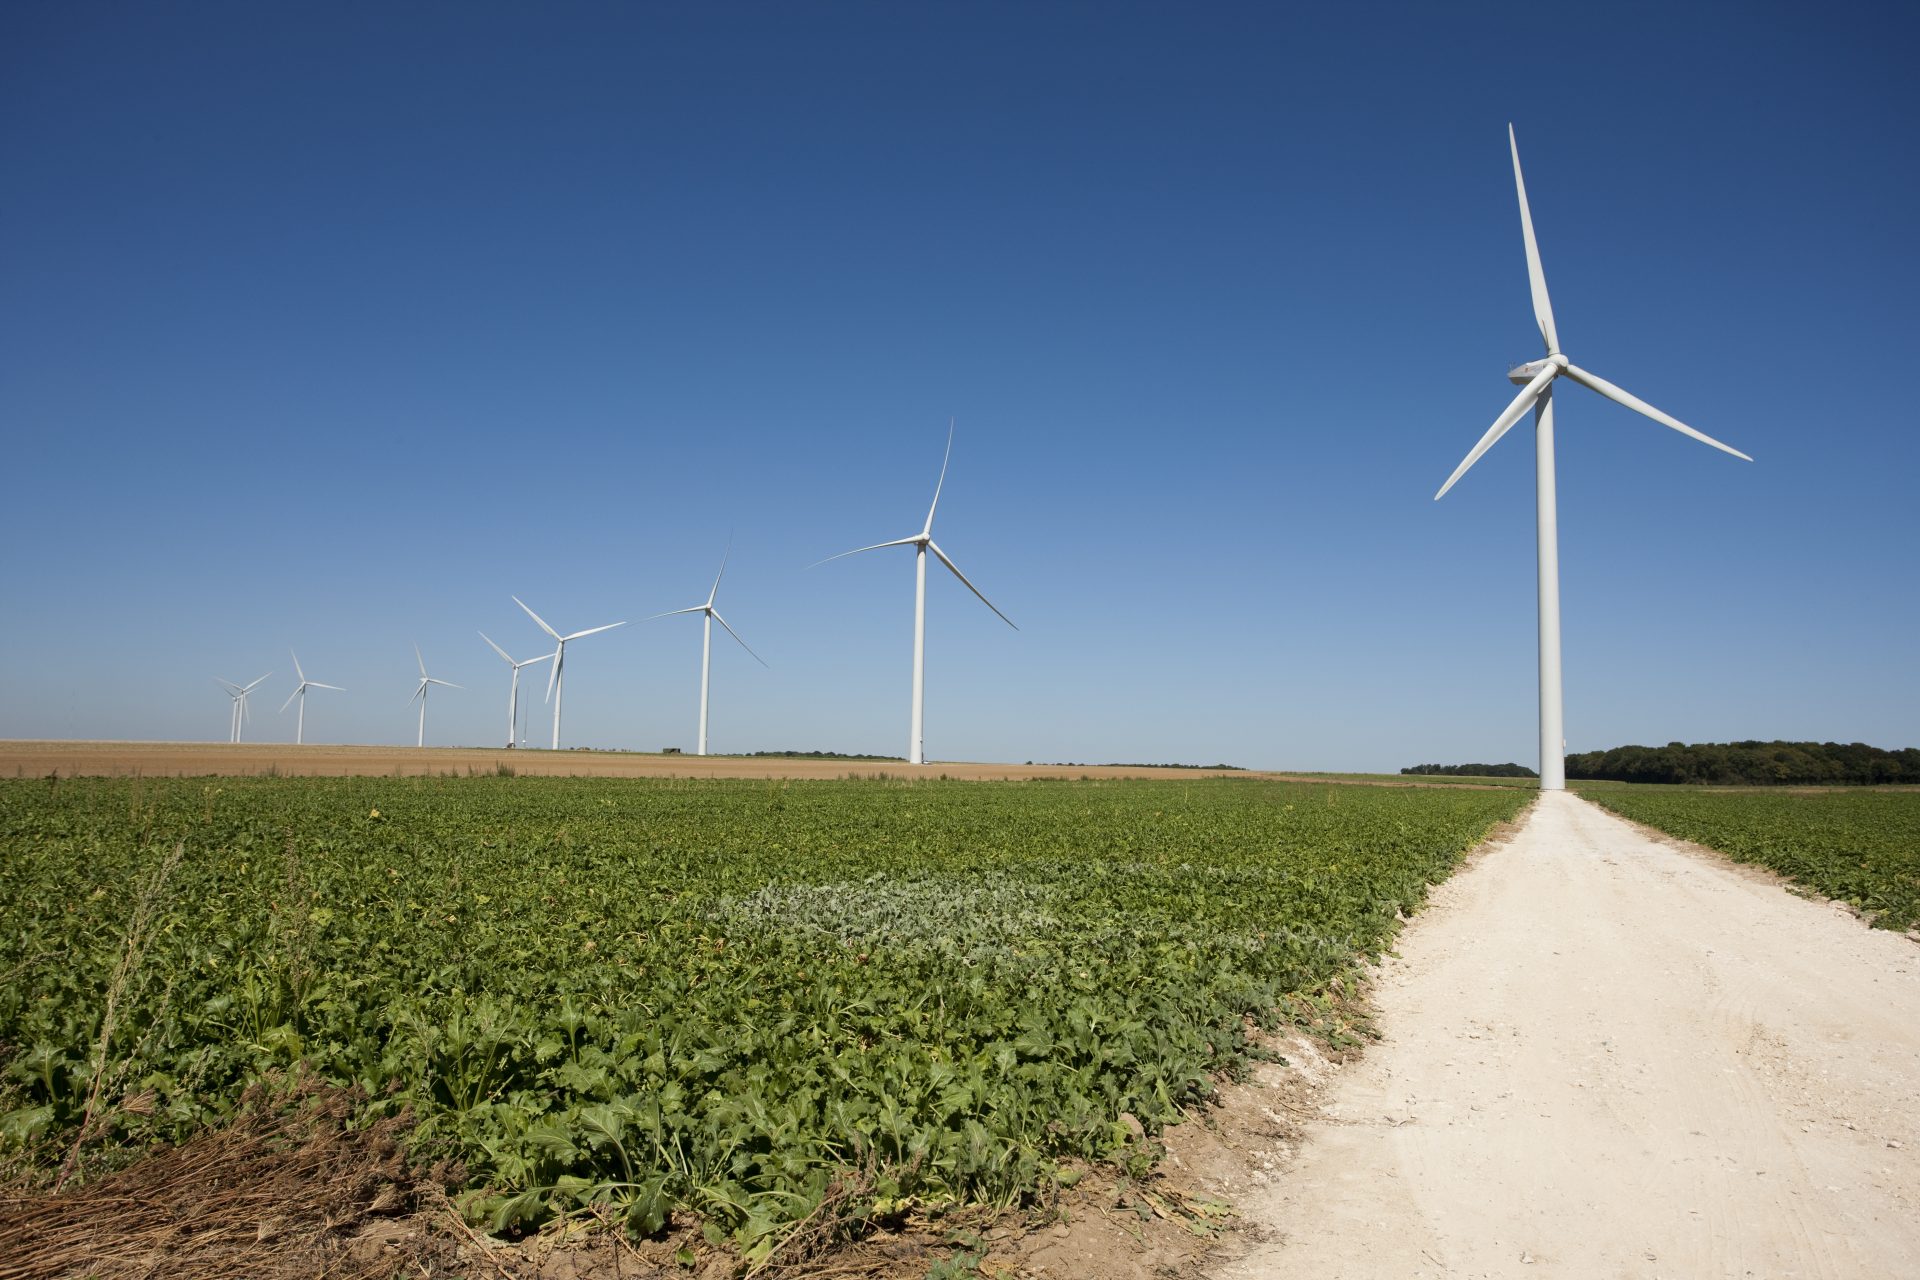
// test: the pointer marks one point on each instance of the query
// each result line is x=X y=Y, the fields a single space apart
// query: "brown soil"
x=168 y=759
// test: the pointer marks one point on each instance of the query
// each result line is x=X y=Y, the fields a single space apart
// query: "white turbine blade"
x=537 y=618
x=496 y=648
x=935 y=548
x=1521 y=403
x=448 y=683
x=297 y=691
x=419 y=691
x=296 y=666
x=1595 y=382
x=417 y=658
x=711 y=595
x=256 y=684
x=315 y=684
x=545 y=657
x=233 y=690
x=1542 y=308
x=698 y=608
x=736 y=635
x=897 y=542
x=594 y=631
x=928 y=528
x=553 y=673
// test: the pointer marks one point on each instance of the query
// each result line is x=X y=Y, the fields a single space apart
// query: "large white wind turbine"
x=513 y=691
x=241 y=712
x=555 y=678
x=300 y=692
x=1536 y=392
x=420 y=692
x=922 y=542
x=706 y=644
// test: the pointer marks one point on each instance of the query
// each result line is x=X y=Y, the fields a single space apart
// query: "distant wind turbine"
x=1536 y=392
x=556 y=678
x=513 y=692
x=300 y=692
x=922 y=542
x=420 y=693
x=241 y=712
x=706 y=644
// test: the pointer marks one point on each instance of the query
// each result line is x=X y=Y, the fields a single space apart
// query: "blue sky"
x=332 y=326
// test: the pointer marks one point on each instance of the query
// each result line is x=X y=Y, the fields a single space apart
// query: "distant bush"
x=1474 y=770
x=1752 y=764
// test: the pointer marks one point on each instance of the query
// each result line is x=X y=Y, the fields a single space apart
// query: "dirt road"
x=1605 y=1056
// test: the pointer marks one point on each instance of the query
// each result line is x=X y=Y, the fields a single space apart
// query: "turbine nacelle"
x=1521 y=375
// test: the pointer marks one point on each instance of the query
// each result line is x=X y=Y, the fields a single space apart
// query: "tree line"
x=1750 y=764
x=1475 y=770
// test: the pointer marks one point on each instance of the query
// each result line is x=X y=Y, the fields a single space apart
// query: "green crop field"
x=662 y=995
x=1860 y=846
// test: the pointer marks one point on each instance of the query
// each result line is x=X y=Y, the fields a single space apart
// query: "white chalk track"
x=1605 y=1056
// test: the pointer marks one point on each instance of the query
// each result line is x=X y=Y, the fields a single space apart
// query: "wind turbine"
x=420 y=693
x=555 y=685
x=706 y=644
x=241 y=713
x=922 y=542
x=300 y=692
x=1536 y=392
x=513 y=693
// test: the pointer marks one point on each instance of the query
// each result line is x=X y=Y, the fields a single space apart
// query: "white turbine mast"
x=556 y=678
x=241 y=712
x=420 y=693
x=1536 y=392
x=922 y=543
x=300 y=692
x=513 y=691
x=706 y=643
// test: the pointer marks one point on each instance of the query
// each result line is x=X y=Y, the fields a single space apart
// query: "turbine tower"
x=241 y=712
x=555 y=678
x=922 y=542
x=513 y=691
x=706 y=644
x=1536 y=392
x=300 y=692
x=420 y=693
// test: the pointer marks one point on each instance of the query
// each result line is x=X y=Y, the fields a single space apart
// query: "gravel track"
x=1606 y=1055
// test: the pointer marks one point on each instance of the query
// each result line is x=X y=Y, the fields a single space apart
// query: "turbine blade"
x=698 y=608
x=1536 y=277
x=897 y=542
x=928 y=528
x=1521 y=403
x=417 y=658
x=232 y=689
x=296 y=665
x=315 y=684
x=256 y=684
x=594 y=631
x=537 y=618
x=448 y=683
x=935 y=548
x=297 y=691
x=496 y=648
x=553 y=673
x=1595 y=382
x=736 y=635
x=723 y=571
x=419 y=691
x=545 y=657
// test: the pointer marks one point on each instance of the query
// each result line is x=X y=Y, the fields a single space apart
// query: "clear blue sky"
x=331 y=326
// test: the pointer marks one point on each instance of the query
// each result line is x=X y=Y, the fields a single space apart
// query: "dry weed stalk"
x=133 y=950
